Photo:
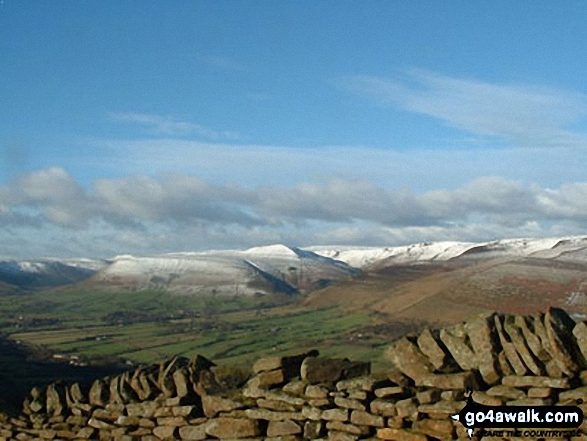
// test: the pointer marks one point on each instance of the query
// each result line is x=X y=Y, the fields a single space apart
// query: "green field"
x=148 y=326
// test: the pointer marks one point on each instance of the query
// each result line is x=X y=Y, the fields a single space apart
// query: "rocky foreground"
x=506 y=359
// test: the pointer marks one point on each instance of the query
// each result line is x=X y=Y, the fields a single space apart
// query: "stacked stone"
x=504 y=359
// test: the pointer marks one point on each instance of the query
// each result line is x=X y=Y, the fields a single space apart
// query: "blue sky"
x=146 y=127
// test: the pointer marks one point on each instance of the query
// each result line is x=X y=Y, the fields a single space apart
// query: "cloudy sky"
x=146 y=127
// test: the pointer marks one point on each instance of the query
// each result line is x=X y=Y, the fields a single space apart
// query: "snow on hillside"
x=225 y=272
x=363 y=257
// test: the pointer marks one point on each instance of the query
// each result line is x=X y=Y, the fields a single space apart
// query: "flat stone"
x=362 y=418
x=319 y=402
x=435 y=428
x=290 y=364
x=407 y=408
x=409 y=359
x=530 y=402
x=98 y=424
x=165 y=432
x=348 y=428
x=459 y=349
x=540 y=392
x=312 y=413
x=335 y=415
x=511 y=393
x=486 y=399
x=268 y=379
x=336 y=435
x=264 y=414
x=400 y=435
x=295 y=387
x=389 y=391
x=461 y=380
x=316 y=391
x=428 y=396
x=485 y=344
x=233 y=428
x=517 y=338
x=536 y=381
x=281 y=428
x=514 y=359
x=430 y=345
x=580 y=333
x=441 y=409
x=383 y=407
x=349 y=404
x=213 y=405
x=559 y=332
x=366 y=384
x=323 y=370
x=277 y=405
x=171 y=421
x=532 y=340
x=573 y=394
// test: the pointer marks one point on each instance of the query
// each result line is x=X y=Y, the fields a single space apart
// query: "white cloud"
x=170 y=212
x=523 y=115
x=170 y=126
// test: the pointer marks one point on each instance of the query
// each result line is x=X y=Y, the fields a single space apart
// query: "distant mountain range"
x=275 y=268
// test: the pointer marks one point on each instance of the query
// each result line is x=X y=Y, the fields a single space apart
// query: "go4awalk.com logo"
x=531 y=421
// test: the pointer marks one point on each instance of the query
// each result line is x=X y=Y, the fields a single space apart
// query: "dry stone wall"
x=505 y=359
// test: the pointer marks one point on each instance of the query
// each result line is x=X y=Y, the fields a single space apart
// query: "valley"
x=131 y=311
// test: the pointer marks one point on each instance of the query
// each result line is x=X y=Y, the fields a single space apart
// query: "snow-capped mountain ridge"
x=256 y=269
x=363 y=257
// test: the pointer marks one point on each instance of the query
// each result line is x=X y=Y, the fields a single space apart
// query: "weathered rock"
x=99 y=393
x=193 y=433
x=409 y=359
x=431 y=346
x=486 y=399
x=580 y=333
x=281 y=428
x=428 y=396
x=517 y=338
x=400 y=435
x=296 y=387
x=348 y=428
x=435 y=428
x=460 y=380
x=290 y=365
x=532 y=340
x=442 y=409
x=459 y=349
x=508 y=392
x=532 y=381
x=324 y=370
x=268 y=415
x=512 y=356
x=233 y=428
x=389 y=391
x=485 y=344
x=559 y=333
x=407 y=409
x=383 y=407
x=349 y=404
x=213 y=405
x=362 y=418
x=55 y=399
x=277 y=405
x=165 y=432
x=313 y=429
x=316 y=391
x=335 y=415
